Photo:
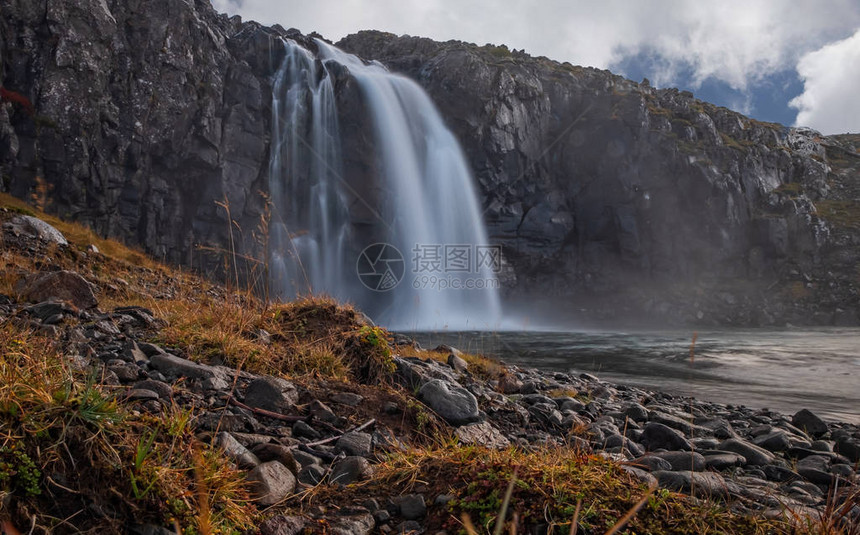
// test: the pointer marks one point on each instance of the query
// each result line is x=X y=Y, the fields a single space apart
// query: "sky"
x=788 y=61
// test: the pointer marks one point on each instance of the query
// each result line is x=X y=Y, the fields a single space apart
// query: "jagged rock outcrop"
x=612 y=199
x=624 y=199
x=146 y=113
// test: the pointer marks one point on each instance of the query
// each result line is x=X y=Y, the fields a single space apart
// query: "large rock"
x=452 y=402
x=33 y=226
x=355 y=443
x=271 y=483
x=482 y=434
x=659 y=436
x=271 y=394
x=350 y=470
x=173 y=366
x=776 y=441
x=283 y=525
x=683 y=460
x=235 y=451
x=809 y=422
x=753 y=454
x=151 y=112
x=848 y=447
x=61 y=285
x=703 y=484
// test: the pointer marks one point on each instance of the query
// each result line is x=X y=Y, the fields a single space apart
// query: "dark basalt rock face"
x=611 y=199
x=622 y=200
x=146 y=113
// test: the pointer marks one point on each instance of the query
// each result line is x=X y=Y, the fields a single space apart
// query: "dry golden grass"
x=81 y=235
x=549 y=484
x=63 y=436
x=479 y=365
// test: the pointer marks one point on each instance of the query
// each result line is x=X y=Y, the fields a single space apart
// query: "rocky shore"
x=291 y=438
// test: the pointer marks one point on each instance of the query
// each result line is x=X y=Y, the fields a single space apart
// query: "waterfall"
x=310 y=228
x=427 y=212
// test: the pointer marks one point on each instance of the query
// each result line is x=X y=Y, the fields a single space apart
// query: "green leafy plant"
x=18 y=471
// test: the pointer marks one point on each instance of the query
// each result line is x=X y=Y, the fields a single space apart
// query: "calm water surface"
x=785 y=370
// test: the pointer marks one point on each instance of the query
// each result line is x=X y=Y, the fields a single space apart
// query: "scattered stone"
x=163 y=390
x=355 y=443
x=723 y=461
x=347 y=398
x=350 y=470
x=453 y=403
x=703 y=484
x=753 y=454
x=482 y=434
x=412 y=506
x=140 y=394
x=821 y=445
x=320 y=411
x=409 y=527
x=271 y=483
x=235 y=451
x=276 y=452
x=636 y=412
x=58 y=285
x=303 y=430
x=271 y=394
x=360 y=524
x=849 y=448
x=652 y=463
x=305 y=458
x=282 y=525
x=33 y=226
x=457 y=363
x=683 y=460
x=659 y=436
x=641 y=475
x=173 y=366
x=509 y=384
x=773 y=442
x=311 y=475
x=809 y=422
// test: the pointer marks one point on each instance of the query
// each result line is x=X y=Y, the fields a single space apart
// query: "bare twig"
x=264 y=412
x=362 y=427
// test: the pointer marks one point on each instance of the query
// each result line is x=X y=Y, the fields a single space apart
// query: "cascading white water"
x=310 y=226
x=429 y=201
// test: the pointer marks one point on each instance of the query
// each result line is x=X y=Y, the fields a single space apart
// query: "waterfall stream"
x=430 y=264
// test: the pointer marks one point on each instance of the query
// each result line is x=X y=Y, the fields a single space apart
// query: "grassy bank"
x=65 y=435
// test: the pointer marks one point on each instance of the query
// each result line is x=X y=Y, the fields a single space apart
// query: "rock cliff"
x=619 y=199
x=612 y=199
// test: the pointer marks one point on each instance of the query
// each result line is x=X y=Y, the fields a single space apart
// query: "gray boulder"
x=753 y=454
x=350 y=470
x=61 y=285
x=271 y=483
x=659 y=436
x=271 y=394
x=33 y=226
x=453 y=403
x=808 y=421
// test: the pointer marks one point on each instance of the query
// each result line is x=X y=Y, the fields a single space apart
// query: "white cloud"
x=831 y=76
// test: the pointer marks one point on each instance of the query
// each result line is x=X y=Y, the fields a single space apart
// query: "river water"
x=784 y=370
